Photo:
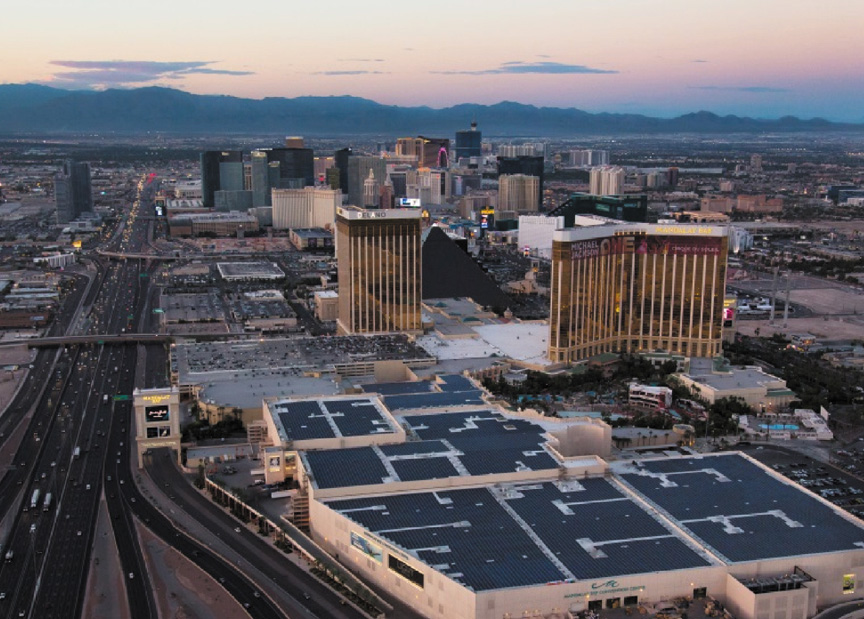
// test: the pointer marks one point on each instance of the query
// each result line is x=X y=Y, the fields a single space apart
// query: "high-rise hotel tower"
x=378 y=255
x=637 y=287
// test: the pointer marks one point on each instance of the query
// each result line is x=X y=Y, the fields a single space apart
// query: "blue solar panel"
x=357 y=417
x=303 y=420
x=346 y=467
x=466 y=532
x=416 y=469
x=455 y=382
x=483 y=442
x=434 y=400
x=398 y=388
x=613 y=524
x=414 y=447
x=751 y=510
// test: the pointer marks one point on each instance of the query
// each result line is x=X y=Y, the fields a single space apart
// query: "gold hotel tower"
x=378 y=261
x=637 y=287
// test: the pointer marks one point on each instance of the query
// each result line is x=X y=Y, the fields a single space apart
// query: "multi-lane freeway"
x=77 y=448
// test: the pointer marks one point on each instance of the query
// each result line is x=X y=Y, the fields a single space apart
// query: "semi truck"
x=34 y=500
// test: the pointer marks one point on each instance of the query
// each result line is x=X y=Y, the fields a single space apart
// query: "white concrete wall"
x=535 y=231
x=439 y=598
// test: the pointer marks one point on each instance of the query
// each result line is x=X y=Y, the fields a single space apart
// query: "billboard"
x=156 y=413
x=653 y=245
x=680 y=245
x=409 y=202
x=405 y=571
x=369 y=549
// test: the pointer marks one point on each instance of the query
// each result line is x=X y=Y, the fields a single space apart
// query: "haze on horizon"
x=761 y=58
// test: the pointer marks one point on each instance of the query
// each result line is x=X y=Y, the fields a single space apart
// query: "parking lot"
x=830 y=481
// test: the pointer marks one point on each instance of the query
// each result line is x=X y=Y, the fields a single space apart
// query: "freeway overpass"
x=65 y=340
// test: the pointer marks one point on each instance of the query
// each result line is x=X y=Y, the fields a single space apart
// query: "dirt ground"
x=182 y=590
x=829 y=300
x=835 y=328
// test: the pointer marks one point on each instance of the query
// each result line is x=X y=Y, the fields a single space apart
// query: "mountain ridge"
x=38 y=108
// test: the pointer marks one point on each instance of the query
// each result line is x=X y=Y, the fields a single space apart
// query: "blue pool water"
x=778 y=426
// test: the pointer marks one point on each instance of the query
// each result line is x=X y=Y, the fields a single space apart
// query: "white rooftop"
x=519 y=341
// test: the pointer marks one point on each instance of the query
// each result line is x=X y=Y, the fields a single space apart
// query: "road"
x=290 y=578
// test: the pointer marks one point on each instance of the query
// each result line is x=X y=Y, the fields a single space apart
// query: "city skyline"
x=764 y=60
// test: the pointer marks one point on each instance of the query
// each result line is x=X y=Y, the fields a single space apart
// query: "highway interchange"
x=77 y=444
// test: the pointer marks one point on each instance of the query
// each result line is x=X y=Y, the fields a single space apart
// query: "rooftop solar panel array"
x=415 y=447
x=305 y=419
x=421 y=386
x=469 y=443
x=357 y=417
x=479 y=537
x=455 y=382
x=424 y=468
x=434 y=399
x=742 y=511
x=465 y=534
x=346 y=467
x=490 y=442
x=599 y=519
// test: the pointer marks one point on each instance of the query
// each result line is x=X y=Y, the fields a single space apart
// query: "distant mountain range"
x=35 y=108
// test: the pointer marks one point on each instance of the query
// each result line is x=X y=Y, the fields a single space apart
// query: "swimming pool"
x=778 y=426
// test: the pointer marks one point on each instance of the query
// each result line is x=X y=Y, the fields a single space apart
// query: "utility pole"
x=786 y=305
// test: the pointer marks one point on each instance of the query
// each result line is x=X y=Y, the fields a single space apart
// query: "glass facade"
x=379 y=274
x=635 y=291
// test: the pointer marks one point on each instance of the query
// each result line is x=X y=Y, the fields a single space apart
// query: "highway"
x=290 y=578
x=78 y=444
x=68 y=440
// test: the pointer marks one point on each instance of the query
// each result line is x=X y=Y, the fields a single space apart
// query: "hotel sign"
x=649 y=245
x=156 y=399
x=606 y=587
x=689 y=230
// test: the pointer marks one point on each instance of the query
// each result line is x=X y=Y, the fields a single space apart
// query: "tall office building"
x=527 y=165
x=379 y=263
x=430 y=152
x=585 y=158
x=247 y=176
x=226 y=200
x=72 y=191
x=296 y=167
x=518 y=192
x=260 y=178
x=340 y=158
x=294 y=141
x=431 y=186
x=211 y=169
x=672 y=177
x=755 y=162
x=358 y=172
x=371 y=196
x=322 y=164
x=637 y=287
x=310 y=207
x=607 y=181
x=468 y=143
x=231 y=176
x=522 y=150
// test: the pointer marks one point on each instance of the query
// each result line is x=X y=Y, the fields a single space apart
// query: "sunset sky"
x=764 y=58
